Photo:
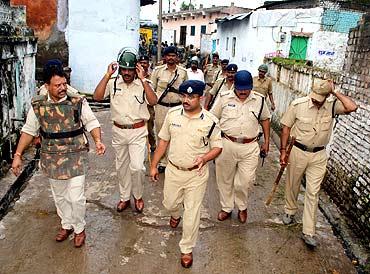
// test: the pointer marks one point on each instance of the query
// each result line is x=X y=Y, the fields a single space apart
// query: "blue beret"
x=170 y=49
x=143 y=58
x=232 y=67
x=243 y=80
x=53 y=63
x=192 y=87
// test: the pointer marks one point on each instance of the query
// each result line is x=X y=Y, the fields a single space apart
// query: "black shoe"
x=161 y=169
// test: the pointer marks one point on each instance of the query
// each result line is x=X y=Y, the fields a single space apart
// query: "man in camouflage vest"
x=61 y=120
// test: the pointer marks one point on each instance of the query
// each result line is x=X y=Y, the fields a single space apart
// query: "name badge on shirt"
x=175 y=125
x=231 y=105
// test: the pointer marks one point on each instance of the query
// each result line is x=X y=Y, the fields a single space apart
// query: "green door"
x=298 y=48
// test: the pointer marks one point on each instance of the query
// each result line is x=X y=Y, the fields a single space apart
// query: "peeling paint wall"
x=97 y=30
x=17 y=71
x=48 y=19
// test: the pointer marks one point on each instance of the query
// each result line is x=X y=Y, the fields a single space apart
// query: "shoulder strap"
x=261 y=108
x=215 y=96
x=211 y=130
x=333 y=115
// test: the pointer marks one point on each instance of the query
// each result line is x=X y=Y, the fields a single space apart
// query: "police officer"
x=263 y=84
x=309 y=119
x=144 y=62
x=210 y=70
x=222 y=84
x=193 y=137
x=221 y=73
x=129 y=93
x=240 y=111
x=166 y=80
x=61 y=120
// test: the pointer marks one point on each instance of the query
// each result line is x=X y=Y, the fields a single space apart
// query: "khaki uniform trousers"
x=160 y=115
x=151 y=133
x=185 y=189
x=130 y=146
x=70 y=201
x=314 y=164
x=235 y=172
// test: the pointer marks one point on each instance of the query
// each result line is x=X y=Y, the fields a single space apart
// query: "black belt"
x=305 y=148
x=60 y=135
x=169 y=105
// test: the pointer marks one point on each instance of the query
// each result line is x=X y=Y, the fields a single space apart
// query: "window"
x=204 y=17
x=175 y=19
x=192 y=31
x=218 y=42
x=233 y=47
x=193 y=17
x=203 y=29
x=183 y=18
x=227 y=43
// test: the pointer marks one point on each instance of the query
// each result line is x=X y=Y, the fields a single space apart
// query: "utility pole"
x=159 y=46
x=169 y=6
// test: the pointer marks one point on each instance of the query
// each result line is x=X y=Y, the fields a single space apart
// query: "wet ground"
x=128 y=242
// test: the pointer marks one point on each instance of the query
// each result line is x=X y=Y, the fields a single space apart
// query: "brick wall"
x=348 y=181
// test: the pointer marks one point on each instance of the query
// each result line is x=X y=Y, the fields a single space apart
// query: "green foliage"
x=288 y=62
x=185 y=6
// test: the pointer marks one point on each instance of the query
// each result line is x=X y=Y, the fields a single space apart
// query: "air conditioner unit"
x=282 y=37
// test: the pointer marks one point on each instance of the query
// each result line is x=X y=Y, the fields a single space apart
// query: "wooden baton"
x=280 y=174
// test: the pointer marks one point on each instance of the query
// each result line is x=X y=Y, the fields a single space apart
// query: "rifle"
x=168 y=88
x=281 y=171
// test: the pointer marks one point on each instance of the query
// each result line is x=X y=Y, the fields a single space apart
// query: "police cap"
x=143 y=58
x=243 y=80
x=232 y=67
x=192 y=87
x=225 y=61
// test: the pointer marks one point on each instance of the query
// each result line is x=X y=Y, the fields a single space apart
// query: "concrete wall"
x=349 y=166
x=258 y=36
x=97 y=30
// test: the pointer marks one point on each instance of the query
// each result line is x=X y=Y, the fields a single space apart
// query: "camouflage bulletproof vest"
x=63 y=146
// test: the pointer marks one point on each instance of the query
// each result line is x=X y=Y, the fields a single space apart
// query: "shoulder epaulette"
x=159 y=67
x=181 y=68
x=175 y=109
x=300 y=100
x=258 y=94
x=210 y=116
x=225 y=93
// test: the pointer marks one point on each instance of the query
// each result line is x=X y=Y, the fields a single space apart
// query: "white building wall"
x=97 y=30
x=258 y=36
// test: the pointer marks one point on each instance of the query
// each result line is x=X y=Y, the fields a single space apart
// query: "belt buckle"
x=240 y=140
x=129 y=126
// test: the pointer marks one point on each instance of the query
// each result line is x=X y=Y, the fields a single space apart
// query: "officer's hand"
x=112 y=68
x=265 y=147
x=100 y=148
x=200 y=162
x=283 y=159
x=154 y=174
x=16 y=165
x=140 y=71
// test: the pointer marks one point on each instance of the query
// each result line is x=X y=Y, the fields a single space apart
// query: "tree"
x=185 y=6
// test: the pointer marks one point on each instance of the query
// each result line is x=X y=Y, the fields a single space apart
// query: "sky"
x=147 y=12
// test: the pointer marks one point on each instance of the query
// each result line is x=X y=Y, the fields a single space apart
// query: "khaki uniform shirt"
x=128 y=105
x=88 y=119
x=161 y=77
x=43 y=91
x=262 y=86
x=211 y=72
x=239 y=119
x=311 y=126
x=217 y=86
x=188 y=135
